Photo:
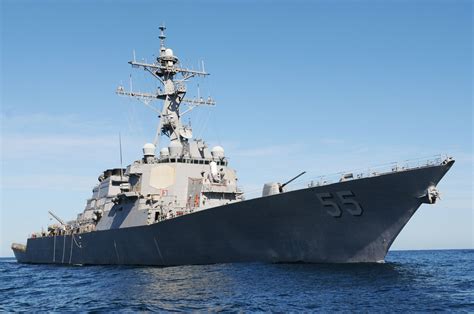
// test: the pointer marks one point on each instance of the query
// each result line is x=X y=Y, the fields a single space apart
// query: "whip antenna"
x=121 y=162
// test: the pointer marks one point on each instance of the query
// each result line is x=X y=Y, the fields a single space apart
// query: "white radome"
x=164 y=152
x=217 y=152
x=175 y=149
x=169 y=52
x=149 y=149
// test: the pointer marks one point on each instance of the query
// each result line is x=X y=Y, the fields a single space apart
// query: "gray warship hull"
x=305 y=225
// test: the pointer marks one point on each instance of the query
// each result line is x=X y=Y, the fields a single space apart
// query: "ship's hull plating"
x=352 y=221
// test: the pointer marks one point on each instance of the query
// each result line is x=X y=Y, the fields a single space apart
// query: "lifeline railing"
x=360 y=173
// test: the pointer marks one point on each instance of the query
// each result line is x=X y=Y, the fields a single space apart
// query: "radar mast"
x=172 y=77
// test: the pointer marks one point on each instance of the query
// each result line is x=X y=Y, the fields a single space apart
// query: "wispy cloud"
x=19 y=143
x=43 y=122
x=331 y=141
x=41 y=135
x=266 y=151
x=20 y=149
x=48 y=182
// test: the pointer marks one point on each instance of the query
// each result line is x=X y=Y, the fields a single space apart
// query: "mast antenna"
x=121 y=162
x=165 y=69
x=162 y=36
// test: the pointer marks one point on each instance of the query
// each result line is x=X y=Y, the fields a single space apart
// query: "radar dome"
x=175 y=149
x=149 y=149
x=169 y=52
x=164 y=152
x=217 y=152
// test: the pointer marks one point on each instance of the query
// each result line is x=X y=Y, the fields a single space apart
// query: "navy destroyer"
x=183 y=205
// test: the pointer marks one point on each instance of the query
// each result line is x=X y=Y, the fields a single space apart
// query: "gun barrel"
x=57 y=218
x=293 y=179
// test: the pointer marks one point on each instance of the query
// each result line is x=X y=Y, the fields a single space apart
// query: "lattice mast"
x=166 y=70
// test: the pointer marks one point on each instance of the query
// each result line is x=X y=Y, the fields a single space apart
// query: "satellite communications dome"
x=175 y=149
x=149 y=149
x=217 y=152
x=164 y=152
x=169 y=52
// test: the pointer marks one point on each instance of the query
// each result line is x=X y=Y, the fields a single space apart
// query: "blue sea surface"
x=440 y=280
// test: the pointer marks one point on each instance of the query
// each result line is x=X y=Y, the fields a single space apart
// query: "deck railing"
x=360 y=173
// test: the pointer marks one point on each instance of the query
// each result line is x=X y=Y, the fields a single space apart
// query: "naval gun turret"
x=276 y=187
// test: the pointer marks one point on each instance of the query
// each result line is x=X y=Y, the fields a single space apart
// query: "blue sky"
x=321 y=86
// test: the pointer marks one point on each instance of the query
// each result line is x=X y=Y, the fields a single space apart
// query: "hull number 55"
x=334 y=203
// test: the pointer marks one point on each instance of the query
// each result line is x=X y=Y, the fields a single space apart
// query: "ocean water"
x=438 y=280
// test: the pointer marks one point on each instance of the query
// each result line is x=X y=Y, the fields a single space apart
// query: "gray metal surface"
x=289 y=227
